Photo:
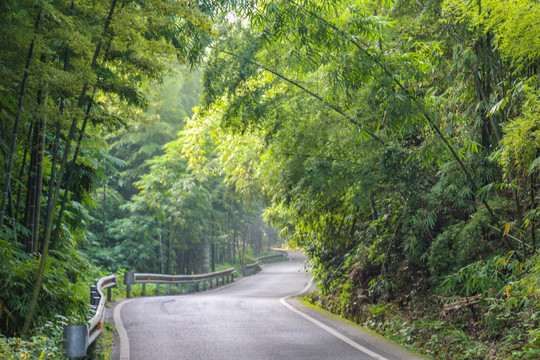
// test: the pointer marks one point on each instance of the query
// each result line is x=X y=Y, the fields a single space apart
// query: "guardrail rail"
x=251 y=269
x=131 y=278
x=77 y=338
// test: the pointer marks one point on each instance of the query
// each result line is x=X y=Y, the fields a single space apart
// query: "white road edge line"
x=122 y=333
x=328 y=329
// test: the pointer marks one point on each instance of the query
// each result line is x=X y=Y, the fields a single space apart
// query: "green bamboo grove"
x=395 y=142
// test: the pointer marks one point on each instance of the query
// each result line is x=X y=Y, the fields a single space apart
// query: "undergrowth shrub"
x=486 y=277
x=64 y=290
x=503 y=323
x=47 y=344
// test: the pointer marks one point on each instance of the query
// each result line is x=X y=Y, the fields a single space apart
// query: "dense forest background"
x=396 y=142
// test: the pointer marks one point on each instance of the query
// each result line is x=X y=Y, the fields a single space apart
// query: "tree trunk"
x=14 y=220
x=234 y=247
x=169 y=248
x=213 y=256
x=206 y=256
x=213 y=246
x=39 y=180
x=21 y=170
x=532 y=193
x=160 y=249
x=104 y=213
x=30 y=186
x=52 y=178
x=245 y=241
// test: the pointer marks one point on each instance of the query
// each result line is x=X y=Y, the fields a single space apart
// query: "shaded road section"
x=254 y=318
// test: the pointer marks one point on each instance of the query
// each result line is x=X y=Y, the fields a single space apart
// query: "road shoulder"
x=379 y=344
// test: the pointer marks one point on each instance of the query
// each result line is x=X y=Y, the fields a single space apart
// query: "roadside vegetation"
x=396 y=142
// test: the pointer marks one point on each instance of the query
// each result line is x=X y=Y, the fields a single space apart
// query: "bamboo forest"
x=395 y=143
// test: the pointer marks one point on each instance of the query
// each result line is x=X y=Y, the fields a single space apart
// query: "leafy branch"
x=309 y=92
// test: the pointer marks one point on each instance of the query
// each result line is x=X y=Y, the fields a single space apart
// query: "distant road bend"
x=255 y=318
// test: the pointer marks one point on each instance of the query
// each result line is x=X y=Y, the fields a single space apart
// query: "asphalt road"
x=255 y=318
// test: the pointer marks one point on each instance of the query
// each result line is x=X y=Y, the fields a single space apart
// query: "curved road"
x=255 y=318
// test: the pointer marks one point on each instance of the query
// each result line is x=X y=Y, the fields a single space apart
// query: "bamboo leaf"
x=507 y=227
x=498 y=106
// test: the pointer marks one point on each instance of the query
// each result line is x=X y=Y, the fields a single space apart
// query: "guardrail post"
x=188 y=287
x=143 y=289
x=75 y=340
x=109 y=294
x=129 y=279
x=157 y=289
x=93 y=293
x=168 y=289
x=109 y=290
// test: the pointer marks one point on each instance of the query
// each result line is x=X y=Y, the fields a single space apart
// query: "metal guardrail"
x=251 y=269
x=282 y=254
x=95 y=322
x=131 y=278
x=77 y=338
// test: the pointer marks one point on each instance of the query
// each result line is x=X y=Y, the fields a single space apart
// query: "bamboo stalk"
x=53 y=201
x=16 y=122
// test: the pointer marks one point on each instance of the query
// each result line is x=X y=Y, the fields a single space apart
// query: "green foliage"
x=47 y=345
x=395 y=145
x=72 y=72
x=519 y=155
x=442 y=256
x=512 y=35
x=395 y=142
x=481 y=277
x=64 y=289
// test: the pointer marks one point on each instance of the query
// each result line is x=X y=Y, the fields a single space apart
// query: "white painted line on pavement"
x=122 y=333
x=327 y=328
